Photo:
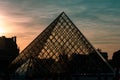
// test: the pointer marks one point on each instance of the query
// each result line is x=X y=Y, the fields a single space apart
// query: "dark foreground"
x=73 y=77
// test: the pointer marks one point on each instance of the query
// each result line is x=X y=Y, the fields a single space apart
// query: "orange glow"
x=2 y=30
x=2 y=26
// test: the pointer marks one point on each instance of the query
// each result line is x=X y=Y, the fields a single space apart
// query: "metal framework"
x=54 y=50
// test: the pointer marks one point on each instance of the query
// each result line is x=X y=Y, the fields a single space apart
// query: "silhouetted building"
x=116 y=64
x=8 y=52
x=116 y=58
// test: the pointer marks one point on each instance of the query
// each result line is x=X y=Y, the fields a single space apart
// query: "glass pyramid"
x=60 y=48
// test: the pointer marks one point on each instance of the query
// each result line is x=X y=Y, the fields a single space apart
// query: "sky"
x=98 y=20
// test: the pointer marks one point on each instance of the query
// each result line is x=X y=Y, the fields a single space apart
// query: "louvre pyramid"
x=54 y=51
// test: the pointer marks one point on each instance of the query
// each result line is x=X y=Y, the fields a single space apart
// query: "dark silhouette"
x=8 y=52
x=104 y=54
x=116 y=59
x=79 y=63
x=116 y=64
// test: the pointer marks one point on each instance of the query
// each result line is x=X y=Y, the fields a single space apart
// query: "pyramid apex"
x=62 y=13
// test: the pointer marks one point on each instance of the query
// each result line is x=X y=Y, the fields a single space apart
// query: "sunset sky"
x=98 y=20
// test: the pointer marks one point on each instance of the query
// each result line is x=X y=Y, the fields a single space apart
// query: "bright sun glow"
x=2 y=25
x=2 y=30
